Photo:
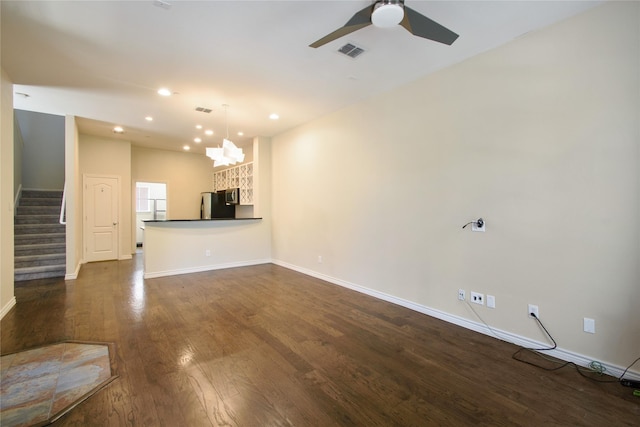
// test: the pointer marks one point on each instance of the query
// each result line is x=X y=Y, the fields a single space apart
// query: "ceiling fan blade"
x=421 y=26
x=360 y=20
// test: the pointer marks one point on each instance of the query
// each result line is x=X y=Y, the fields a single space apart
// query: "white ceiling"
x=103 y=61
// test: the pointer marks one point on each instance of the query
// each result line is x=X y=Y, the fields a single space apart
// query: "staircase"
x=40 y=249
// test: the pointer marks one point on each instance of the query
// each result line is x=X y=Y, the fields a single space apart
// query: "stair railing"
x=63 y=219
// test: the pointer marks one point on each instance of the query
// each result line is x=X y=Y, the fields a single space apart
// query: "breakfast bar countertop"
x=198 y=220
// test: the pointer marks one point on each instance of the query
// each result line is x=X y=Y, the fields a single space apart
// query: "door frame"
x=134 y=213
x=85 y=230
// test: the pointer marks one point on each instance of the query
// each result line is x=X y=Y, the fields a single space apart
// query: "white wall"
x=7 y=298
x=540 y=137
x=111 y=157
x=43 y=159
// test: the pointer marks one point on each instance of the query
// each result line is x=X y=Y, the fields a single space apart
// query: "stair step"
x=40 y=249
x=38 y=210
x=29 y=194
x=39 y=260
x=20 y=229
x=35 y=239
x=39 y=272
x=39 y=239
x=41 y=201
x=37 y=219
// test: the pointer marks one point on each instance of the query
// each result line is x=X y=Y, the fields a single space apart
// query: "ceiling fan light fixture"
x=387 y=13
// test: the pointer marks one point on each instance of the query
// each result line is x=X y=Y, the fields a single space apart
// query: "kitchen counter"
x=181 y=246
x=198 y=220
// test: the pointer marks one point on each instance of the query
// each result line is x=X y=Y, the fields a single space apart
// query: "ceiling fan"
x=387 y=13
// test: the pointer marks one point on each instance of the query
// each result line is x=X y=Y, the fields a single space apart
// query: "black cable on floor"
x=594 y=366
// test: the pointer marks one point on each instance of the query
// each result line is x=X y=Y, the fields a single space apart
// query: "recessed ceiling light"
x=149 y=118
x=208 y=132
x=198 y=126
x=118 y=129
x=274 y=116
x=197 y=140
x=186 y=148
x=164 y=91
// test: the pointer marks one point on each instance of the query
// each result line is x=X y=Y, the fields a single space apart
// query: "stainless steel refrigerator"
x=212 y=205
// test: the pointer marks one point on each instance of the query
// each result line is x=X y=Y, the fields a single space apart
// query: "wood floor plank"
x=265 y=345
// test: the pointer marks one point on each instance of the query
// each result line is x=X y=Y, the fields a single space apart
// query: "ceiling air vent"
x=204 y=110
x=351 y=50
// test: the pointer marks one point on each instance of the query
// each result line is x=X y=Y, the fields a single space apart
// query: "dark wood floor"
x=266 y=346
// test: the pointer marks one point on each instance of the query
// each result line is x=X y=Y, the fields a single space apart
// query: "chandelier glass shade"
x=228 y=154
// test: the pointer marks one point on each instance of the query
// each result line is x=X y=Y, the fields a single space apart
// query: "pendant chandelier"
x=228 y=154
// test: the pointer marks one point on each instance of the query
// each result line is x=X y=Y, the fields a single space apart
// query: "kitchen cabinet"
x=241 y=177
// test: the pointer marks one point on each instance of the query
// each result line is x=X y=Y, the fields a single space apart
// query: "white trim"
x=205 y=268
x=8 y=306
x=125 y=257
x=518 y=340
x=63 y=207
x=16 y=200
x=74 y=275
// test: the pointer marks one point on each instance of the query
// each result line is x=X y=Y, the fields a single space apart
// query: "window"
x=142 y=199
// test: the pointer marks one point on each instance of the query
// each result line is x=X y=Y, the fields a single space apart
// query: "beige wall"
x=540 y=137
x=186 y=176
x=7 y=299
x=110 y=157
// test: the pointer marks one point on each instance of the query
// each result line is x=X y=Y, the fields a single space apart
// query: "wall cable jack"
x=477 y=225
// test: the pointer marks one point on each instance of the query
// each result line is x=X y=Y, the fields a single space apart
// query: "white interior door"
x=101 y=225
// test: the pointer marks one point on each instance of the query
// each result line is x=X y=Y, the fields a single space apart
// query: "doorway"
x=151 y=203
x=101 y=217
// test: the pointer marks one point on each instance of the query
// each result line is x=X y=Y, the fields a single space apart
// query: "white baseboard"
x=7 y=307
x=74 y=275
x=125 y=257
x=568 y=356
x=199 y=269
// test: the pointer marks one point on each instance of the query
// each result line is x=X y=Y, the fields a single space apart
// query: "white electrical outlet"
x=477 y=298
x=533 y=309
x=207 y=252
x=461 y=294
x=491 y=301
x=589 y=325
x=319 y=259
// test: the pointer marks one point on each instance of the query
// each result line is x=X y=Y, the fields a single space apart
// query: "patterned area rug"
x=40 y=385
